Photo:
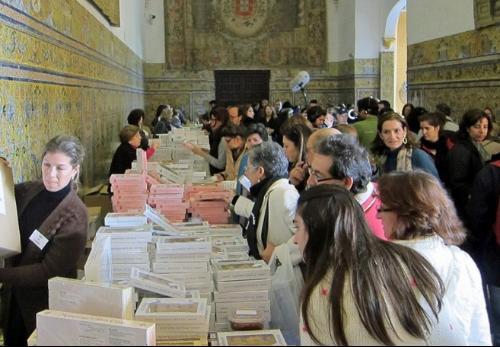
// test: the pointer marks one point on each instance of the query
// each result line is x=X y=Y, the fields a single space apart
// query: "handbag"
x=286 y=287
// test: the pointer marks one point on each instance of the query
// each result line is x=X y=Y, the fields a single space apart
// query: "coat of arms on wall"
x=243 y=18
x=486 y=12
x=207 y=34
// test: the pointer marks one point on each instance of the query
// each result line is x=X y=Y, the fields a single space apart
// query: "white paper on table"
x=3 y=208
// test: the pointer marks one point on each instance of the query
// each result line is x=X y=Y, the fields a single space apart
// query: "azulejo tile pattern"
x=344 y=81
x=62 y=72
x=462 y=70
x=192 y=90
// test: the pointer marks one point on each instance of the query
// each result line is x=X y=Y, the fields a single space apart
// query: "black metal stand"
x=305 y=96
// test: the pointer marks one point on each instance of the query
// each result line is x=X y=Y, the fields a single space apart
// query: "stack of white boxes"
x=185 y=259
x=178 y=321
x=129 y=248
x=91 y=314
x=56 y=328
x=241 y=285
x=228 y=242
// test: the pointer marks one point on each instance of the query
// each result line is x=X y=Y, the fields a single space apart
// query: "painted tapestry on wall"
x=208 y=34
x=486 y=12
x=110 y=9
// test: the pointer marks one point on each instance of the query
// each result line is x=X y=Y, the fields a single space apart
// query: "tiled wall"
x=345 y=82
x=462 y=70
x=62 y=72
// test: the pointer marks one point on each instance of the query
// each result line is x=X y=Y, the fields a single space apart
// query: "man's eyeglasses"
x=317 y=176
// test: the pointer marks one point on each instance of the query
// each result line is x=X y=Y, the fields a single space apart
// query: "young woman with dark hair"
x=468 y=157
x=216 y=156
x=360 y=290
x=295 y=138
x=436 y=141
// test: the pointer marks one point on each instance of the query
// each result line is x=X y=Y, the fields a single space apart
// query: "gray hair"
x=271 y=157
x=69 y=145
x=349 y=160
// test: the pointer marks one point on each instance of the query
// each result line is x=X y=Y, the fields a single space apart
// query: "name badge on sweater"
x=39 y=240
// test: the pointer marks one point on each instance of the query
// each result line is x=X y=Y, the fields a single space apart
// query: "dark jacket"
x=144 y=141
x=445 y=143
x=26 y=275
x=162 y=127
x=463 y=163
x=214 y=138
x=482 y=218
x=122 y=159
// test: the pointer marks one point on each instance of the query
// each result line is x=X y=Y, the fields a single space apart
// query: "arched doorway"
x=393 y=58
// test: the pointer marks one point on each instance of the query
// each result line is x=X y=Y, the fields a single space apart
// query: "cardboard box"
x=224 y=309
x=55 y=328
x=237 y=286
x=252 y=338
x=33 y=339
x=242 y=296
x=96 y=299
x=240 y=270
x=188 y=267
x=10 y=242
x=176 y=318
x=99 y=265
x=157 y=284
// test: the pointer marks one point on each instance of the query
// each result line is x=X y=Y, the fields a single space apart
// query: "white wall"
x=340 y=26
x=432 y=19
x=154 y=32
x=371 y=17
x=131 y=23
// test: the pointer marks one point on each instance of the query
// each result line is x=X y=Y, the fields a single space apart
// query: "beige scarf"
x=404 y=160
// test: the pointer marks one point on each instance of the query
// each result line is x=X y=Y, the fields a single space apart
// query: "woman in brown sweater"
x=53 y=228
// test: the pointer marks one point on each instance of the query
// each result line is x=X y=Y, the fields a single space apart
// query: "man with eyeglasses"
x=342 y=161
x=298 y=173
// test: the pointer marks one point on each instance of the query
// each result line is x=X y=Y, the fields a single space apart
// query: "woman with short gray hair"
x=53 y=233
x=270 y=217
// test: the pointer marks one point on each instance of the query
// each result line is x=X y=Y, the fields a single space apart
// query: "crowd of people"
x=391 y=220
x=415 y=179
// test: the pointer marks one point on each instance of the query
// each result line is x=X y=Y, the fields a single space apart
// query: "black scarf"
x=430 y=145
x=259 y=191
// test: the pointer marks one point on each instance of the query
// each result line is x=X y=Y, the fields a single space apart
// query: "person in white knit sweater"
x=360 y=290
x=417 y=212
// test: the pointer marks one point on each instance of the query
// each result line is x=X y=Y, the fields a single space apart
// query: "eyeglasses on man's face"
x=317 y=176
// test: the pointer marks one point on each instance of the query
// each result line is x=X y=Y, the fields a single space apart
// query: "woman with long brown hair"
x=360 y=290
x=295 y=136
x=395 y=150
x=416 y=212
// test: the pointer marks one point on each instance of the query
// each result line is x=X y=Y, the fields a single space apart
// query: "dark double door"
x=238 y=87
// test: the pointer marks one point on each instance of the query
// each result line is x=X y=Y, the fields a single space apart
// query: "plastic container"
x=246 y=320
